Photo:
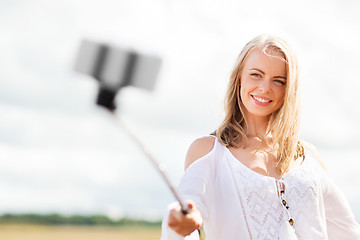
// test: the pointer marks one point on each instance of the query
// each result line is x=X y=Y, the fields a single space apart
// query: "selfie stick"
x=115 y=68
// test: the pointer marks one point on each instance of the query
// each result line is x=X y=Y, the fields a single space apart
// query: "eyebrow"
x=264 y=73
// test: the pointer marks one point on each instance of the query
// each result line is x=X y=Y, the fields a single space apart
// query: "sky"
x=61 y=153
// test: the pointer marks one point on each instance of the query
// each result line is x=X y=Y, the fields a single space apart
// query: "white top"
x=238 y=203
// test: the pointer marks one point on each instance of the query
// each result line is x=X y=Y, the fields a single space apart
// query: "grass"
x=43 y=232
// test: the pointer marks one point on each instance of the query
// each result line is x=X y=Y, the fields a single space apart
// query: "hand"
x=185 y=224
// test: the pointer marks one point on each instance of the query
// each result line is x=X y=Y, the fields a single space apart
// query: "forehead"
x=269 y=60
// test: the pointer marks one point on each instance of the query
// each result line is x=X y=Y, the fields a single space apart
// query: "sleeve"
x=194 y=186
x=340 y=221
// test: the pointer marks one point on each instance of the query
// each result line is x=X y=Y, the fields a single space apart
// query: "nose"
x=265 y=85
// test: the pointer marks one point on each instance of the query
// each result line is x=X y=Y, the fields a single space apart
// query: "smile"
x=261 y=99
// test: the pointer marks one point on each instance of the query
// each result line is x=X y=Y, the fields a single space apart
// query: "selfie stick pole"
x=115 y=68
x=184 y=207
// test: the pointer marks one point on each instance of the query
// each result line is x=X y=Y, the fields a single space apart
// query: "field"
x=41 y=232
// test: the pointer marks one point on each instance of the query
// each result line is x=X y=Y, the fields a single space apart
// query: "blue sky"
x=60 y=153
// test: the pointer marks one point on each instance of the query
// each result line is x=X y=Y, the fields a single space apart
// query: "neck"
x=257 y=127
x=258 y=136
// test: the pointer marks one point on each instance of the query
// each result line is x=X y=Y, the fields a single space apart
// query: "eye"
x=256 y=75
x=281 y=82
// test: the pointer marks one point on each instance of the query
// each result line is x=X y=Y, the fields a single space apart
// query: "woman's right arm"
x=193 y=186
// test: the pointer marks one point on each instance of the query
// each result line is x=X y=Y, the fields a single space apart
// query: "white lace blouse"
x=238 y=203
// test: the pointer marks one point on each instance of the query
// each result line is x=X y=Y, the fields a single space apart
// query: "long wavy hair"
x=284 y=122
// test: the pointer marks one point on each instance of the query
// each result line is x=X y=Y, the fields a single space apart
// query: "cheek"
x=283 y=93
x=246 y=86
x=281 y=96
x=243 y=92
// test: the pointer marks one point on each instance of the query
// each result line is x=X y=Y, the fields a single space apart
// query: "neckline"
x=238 y=162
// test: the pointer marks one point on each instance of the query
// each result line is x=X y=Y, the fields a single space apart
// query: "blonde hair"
x=284 y=122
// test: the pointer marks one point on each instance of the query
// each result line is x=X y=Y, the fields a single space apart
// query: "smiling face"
x=263 y=82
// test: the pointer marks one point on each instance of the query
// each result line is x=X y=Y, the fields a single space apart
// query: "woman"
x=254 y=178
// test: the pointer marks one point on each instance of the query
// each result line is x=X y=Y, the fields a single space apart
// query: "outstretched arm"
x=194 y=186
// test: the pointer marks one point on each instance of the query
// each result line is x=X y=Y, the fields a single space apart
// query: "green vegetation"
x=56 y=219
x=96 y=227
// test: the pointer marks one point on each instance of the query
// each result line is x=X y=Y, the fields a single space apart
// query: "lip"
x=261 y=103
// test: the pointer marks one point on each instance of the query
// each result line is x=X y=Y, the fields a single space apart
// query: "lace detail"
x=303 y=197
x=259 y=202
x=243 y=208
x=262 y=206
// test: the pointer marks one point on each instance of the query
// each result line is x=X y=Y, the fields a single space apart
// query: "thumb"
x=191 y=205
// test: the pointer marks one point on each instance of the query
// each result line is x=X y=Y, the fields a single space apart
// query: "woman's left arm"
x=340 y=220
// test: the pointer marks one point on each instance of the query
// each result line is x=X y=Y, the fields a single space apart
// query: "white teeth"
x=261 y=99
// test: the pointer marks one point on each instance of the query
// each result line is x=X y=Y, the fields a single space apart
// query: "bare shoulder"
x=199 y=148
x=314 y=152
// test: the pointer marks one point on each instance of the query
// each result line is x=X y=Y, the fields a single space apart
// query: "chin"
x=260 y=114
